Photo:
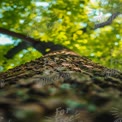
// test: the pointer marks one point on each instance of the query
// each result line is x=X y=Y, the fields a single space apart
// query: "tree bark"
x=55 y=86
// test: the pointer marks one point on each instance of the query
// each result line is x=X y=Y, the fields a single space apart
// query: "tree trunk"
x=60 y=87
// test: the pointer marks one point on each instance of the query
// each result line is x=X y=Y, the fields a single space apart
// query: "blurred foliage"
x=62 y=22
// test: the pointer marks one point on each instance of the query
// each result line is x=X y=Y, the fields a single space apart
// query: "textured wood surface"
x=33 y=92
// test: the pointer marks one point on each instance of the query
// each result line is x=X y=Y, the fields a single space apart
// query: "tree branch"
x=28 y=41
x=16 y=49
x=108 y=22
x=42 y=46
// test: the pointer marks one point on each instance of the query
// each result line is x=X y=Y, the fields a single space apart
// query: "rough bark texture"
x=62 y=81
